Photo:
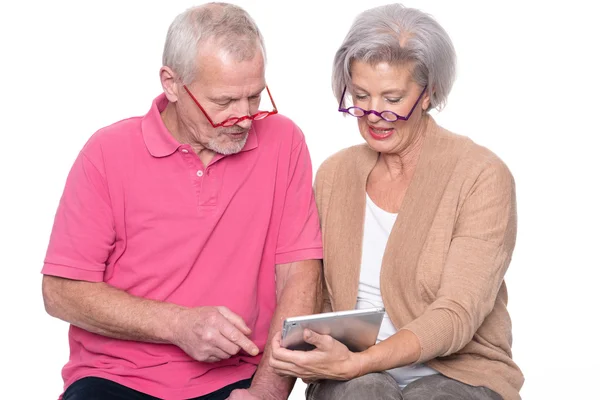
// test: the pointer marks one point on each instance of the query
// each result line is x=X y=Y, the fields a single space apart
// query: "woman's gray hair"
x=397 y=35
x=229 y=24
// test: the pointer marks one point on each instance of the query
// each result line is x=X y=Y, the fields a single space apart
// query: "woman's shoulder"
x=472 y=156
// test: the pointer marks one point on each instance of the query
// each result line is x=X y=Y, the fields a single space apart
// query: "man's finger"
x=235 y=319
x=223 y=343
x=231 y=333
x=216 y=356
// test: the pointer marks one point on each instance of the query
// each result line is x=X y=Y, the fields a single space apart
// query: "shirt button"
x=184 y=151
x=200 y=173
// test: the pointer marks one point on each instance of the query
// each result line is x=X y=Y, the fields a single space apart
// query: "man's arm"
x=80 y=244
x=299 y=292
x=205 y=333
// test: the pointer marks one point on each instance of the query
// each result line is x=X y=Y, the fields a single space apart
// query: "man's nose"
x=241 y=108
x=245 y=124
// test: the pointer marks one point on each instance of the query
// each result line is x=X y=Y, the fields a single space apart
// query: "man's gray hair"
x=398 y=35
x=231 y=26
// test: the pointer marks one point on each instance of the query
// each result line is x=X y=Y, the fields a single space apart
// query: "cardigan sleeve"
x=480 y=251
x=322 y=188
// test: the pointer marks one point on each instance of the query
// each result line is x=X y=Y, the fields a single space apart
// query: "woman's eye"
x=394 y=101
x=360 y=97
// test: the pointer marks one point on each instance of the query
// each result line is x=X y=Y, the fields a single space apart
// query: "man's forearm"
x=105 y=310
x=299 y=292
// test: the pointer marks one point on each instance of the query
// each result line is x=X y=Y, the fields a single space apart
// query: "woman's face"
x=386 y=87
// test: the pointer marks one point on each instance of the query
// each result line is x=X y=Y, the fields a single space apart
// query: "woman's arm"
x=480 y=251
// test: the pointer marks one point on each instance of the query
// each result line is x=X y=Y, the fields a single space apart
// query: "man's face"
x=226 y=88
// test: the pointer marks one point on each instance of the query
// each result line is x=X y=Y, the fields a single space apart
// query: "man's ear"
x=169 y=84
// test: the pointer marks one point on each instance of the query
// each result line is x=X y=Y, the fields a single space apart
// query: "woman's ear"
x=427 y=99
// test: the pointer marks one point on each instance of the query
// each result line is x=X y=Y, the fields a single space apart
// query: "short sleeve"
x=299 y=235
x=83 y=234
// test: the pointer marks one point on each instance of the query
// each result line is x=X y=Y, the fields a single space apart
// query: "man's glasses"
x=387 y=115
x=234 y=120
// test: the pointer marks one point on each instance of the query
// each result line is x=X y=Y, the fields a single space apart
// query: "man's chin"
x=234 y=144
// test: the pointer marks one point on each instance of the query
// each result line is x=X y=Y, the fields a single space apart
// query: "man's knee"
x=92 y=388
x=370 y=386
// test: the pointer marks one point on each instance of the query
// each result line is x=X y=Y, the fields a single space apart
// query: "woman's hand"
x=329 y=360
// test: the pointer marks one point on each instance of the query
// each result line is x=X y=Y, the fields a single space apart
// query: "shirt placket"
x=205 y=180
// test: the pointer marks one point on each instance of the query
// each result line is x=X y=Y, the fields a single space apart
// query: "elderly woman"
x=417 y=219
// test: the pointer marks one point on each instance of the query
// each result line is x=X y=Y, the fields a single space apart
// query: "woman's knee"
x=375 y=386
x=441 y=387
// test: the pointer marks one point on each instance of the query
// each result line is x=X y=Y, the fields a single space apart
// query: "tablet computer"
x=357 y=329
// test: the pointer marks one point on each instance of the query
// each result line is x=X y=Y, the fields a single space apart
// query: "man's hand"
x=243 y=394
x=251 y=394
x=211 y=334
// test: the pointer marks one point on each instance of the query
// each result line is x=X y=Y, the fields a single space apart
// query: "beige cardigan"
x=442 y=275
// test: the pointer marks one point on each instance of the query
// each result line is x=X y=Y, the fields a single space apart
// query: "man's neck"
x=181 y=134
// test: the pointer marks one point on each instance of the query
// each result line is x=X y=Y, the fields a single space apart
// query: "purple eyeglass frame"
x=367 y=112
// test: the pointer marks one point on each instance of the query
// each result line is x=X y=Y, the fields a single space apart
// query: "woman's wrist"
x=401 y=349
x=358 y=365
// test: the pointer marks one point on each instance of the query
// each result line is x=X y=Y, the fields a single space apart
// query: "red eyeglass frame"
x=234 y=120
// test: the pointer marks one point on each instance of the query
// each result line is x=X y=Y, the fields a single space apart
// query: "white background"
x=527 y=88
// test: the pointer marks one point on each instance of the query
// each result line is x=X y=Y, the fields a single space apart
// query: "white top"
x=377 y=229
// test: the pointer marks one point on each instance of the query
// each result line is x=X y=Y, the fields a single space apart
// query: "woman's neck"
x=402 y=164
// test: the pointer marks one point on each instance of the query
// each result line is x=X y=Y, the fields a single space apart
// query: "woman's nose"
x=373 y=118
x=373 y=106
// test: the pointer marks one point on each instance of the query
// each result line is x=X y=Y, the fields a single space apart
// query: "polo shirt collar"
x=252 y=141
x=161 y=143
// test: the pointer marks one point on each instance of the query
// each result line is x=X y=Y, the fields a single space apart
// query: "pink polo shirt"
x=142 y=213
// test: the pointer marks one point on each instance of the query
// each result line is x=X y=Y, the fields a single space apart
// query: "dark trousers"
x=92 y=388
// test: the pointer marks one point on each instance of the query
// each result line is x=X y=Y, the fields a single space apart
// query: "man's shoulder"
x=117 y=131
x=279 y=129
x=113 y=137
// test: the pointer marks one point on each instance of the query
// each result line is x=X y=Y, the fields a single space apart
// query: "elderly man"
x=185 y=236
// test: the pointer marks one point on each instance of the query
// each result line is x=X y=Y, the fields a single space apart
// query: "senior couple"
x=184 y=237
